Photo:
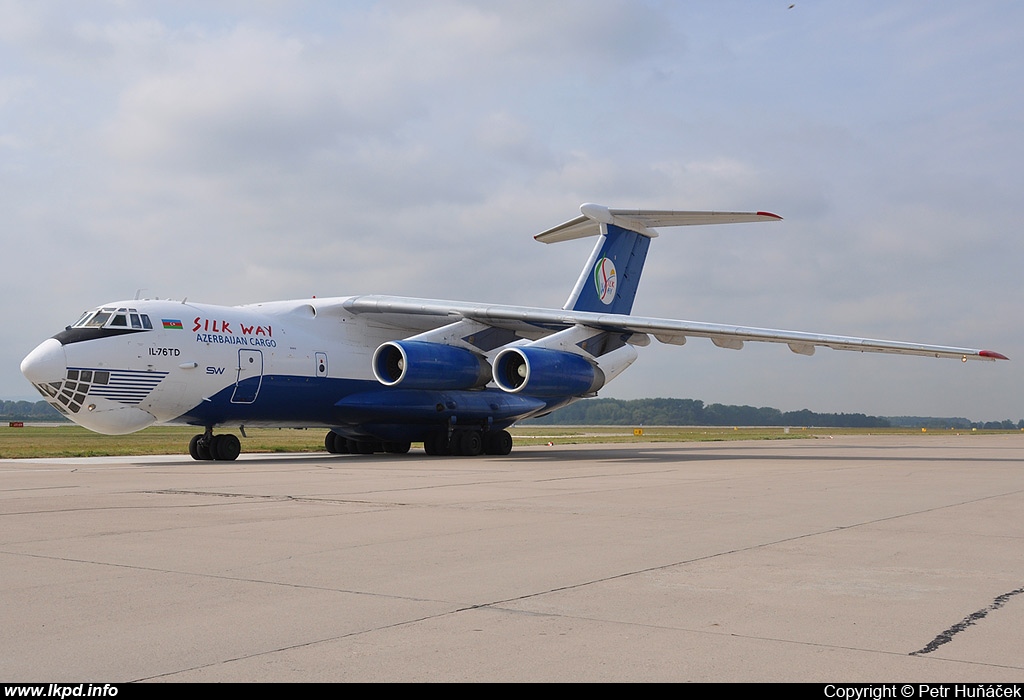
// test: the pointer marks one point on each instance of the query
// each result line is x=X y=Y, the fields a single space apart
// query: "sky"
x=237 y=152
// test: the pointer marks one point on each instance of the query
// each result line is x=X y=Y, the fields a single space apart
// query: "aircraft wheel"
x=361 y=447
x=193 y=447
x=436 y=444
x=455 y=445
x=199 y=448
x=397 y=448
x=335 y=443
x=471 y=443
x=226 y=447
x=498 y=443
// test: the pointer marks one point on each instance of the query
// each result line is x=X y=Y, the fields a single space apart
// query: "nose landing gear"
x=207 y=446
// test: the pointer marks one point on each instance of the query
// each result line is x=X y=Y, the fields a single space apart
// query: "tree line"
x=29 y=410
x=638 y=412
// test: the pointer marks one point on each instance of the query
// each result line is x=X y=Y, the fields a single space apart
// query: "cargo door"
x=250 y=376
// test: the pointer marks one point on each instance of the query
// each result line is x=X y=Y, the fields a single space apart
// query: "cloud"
x=238 y=152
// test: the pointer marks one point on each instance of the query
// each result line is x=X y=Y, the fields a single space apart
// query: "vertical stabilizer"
x=609 y=281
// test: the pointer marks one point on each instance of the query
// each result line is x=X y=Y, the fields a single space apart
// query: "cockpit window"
x=114 y=318
x=99 y=320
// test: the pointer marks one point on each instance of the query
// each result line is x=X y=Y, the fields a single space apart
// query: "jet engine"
x=416 y=364
x=545 y=372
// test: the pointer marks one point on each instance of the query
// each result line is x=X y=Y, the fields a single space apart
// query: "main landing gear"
x=337 y=444
x=464 y=442
x=209 y=446
x=469 y=443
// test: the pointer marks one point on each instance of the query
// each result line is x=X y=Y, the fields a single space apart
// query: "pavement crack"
x=272 y=497
x=947 y=635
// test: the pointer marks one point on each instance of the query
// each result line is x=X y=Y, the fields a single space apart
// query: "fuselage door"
x=250 y=376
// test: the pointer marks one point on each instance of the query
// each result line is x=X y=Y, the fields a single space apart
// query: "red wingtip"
x=993 y=355
x=769 y=214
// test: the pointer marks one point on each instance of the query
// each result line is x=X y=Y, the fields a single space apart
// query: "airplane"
x=382 y=372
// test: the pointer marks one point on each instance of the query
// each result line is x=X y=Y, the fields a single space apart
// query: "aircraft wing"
x=535 y=322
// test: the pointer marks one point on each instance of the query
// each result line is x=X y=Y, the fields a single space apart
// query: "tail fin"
x=609 y=280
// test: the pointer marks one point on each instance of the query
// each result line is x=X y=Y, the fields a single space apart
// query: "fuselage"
x=127 y=365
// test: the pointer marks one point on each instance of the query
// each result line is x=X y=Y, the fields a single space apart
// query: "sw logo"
x=215 y=370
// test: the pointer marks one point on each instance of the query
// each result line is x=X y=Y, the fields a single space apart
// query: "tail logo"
x=604 y=280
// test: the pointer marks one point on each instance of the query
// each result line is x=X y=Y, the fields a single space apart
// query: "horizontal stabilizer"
x=642 y=220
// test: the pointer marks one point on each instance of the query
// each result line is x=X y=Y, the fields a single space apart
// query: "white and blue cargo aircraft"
x=382 y=372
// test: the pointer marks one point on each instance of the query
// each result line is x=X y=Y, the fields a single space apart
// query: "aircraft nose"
x=46 y=363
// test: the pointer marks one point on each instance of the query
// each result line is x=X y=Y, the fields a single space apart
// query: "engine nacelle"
x=545 y=372
x=416 y=364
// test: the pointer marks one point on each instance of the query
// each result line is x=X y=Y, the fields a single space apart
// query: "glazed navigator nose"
x=46 y=363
